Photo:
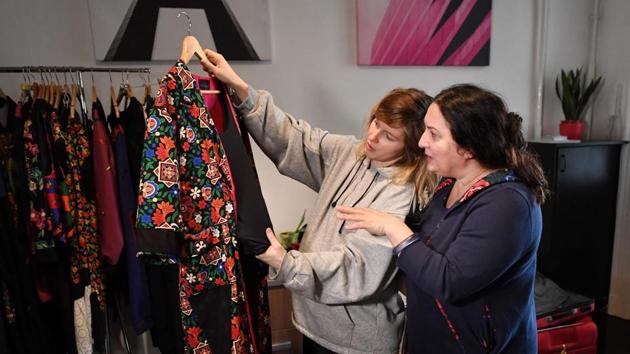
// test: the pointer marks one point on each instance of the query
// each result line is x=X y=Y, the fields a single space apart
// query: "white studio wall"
x=313 y=73
x=611 y=120
x=568 y=38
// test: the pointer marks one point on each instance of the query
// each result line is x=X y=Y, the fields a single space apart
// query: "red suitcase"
x=573 y=338
x=563 y=319
x=568 y=331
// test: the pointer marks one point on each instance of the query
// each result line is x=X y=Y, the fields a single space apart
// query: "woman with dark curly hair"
x=470 y=255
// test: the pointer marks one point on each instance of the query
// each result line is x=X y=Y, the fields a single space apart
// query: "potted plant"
x=290 y=240
x=574 y=93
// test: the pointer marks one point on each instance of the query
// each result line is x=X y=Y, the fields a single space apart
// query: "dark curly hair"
x=481 y=124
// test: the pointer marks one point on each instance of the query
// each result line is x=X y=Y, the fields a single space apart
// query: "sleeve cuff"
x=282 y=274
x=246 y=106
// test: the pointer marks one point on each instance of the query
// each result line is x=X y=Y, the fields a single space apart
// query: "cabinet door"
x=585 y=201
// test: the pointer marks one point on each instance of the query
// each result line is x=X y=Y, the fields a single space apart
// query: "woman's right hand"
x=219 y=67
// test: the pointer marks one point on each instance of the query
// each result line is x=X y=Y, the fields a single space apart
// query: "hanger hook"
x=189 y=21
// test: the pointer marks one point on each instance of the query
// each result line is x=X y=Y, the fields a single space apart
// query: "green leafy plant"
x=574 y=92
x=290 y=240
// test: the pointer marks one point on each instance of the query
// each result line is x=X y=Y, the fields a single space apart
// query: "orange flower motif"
x=235 y=330
x=194 y=111
x=215 y=215
x=158 y=218
x=217 y=204
x=166 y=207
x=229 y=263
x=163 y=150
x=192 y=336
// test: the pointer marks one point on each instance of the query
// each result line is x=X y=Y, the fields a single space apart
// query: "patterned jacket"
x=186 y=215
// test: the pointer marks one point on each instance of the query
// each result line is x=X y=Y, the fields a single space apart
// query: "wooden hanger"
x=57 y=97
x=113 y=97
x=94 y=95
x=147 y=94
x=73 y=99
x=191 y=47
x=114 y=101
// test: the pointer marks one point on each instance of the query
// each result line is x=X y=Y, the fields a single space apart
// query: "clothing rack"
x=79 y=70
x=73 y=69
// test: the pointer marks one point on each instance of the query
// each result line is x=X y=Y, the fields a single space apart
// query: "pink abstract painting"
x=424 y=32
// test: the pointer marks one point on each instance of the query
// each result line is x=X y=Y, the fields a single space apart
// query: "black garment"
x=167 y=333
x=132 y=121
x=311 y=347
x=251 y=210
x=20 y=318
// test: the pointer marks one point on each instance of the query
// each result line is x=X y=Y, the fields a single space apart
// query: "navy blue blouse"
x=471 y=278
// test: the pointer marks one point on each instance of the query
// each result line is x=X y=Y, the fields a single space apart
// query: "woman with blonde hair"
x=344 y=293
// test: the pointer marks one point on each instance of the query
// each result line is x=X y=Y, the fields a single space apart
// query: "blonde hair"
x=405 y=108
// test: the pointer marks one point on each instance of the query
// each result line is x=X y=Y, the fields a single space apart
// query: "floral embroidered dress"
x=186 y=215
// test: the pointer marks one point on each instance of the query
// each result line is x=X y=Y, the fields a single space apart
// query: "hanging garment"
x=253 y=217
x=86 y=268
x=132 y=120
x=250 y=207
x=167 y=331
x=139 y=301
x=21 y=318
x=186 y=215
x=107 y=211
x=37 y=160
x=83 y=323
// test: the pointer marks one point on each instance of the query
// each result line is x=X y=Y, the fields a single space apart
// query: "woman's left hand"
x=375 y=222
x=274 y=255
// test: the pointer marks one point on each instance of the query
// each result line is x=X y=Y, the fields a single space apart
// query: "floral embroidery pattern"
x=85 y=253
x=186 y=188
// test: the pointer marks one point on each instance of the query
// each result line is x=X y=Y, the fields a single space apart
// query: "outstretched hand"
x=274 y=255
x=375 y=222
x=219 y=67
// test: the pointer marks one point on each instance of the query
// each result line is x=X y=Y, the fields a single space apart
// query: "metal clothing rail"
x=79 y=70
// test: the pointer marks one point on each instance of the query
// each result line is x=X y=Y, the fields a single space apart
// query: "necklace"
x=453 y=197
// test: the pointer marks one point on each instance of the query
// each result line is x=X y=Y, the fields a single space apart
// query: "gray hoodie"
x=343 y=286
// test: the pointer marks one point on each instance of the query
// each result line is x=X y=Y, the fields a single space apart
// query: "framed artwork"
x=146 y=30
x=424 y=32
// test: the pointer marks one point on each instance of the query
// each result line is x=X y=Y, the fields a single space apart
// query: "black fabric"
x=310 y=347
x=58 y=312
x=158 y=243
x=99 y=317
x=20 y=318
x=132 y=121
x=167 y=333
x=253 y=217
x=549 y=297
x=215 y=324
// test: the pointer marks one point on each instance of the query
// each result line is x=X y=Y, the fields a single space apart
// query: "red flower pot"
x=572 y=129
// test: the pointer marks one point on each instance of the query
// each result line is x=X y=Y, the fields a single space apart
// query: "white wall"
x=568 y=38
x=613 y=63
x=312 y=74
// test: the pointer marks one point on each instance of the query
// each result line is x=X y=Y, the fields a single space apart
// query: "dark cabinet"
x=579 y=216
